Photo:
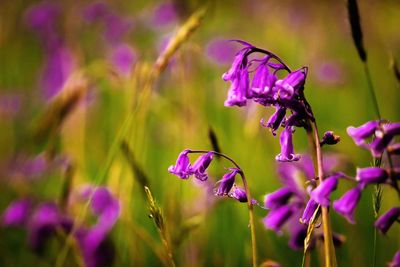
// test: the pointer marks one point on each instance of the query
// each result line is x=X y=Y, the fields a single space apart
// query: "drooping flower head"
x=265 y=88
x=227 y=182
x=347 y=204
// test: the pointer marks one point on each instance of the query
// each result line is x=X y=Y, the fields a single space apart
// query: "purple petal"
x=227 y=182
x=17 y=213
x=287 y=150
x=277 y=218
x=371 y=175
x=359 y=134
x=385 y=221
x=347 y=204
x=182 y=166
x=322 y=193
x=200 y=166
x=278 y=198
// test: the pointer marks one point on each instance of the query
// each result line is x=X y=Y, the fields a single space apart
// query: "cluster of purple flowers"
x=265 y=88
x=293 y=205
x=379 y=138
x=226 y=186
x=44 y=220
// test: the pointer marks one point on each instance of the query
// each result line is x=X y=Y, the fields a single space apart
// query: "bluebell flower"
x=385 y=221
x=277 y=198
x=287 y=150
x=371 y=175
x=278 y=217
x=200 y=166
x=227 y=182
x=182 y=166
x=347 y=204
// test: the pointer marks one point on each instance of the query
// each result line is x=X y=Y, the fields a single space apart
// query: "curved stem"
x=330 y=256
x=249 y=201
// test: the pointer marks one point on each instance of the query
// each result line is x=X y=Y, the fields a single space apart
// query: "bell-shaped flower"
x=239 y=90
x=347 y=204
x=287 y=150
x=227 y=182
x=182 y=166
x=278 y=217
x=371 y=175
x=232 y=73
x=275 y=120
x=278 y=198
x=385 y=221
x=291 y=84
x=322 y=193
x=200 y=166
x=239 y=194
x=309 y=211
x=359 y=134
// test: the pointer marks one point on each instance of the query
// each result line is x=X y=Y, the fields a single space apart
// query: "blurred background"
x=72 y=73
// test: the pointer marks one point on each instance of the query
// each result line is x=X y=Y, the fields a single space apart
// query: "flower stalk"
x=249 y=201
x=329 y=249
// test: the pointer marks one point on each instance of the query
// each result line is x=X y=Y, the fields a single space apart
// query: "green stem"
x=249 y=203
x=372 y=90
x=329 y=249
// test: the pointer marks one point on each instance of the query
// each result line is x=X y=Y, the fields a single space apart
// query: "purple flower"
x=232 y=73
x=396 y=260
x=17 y=213
x=239 y=194
x=227 y=182
x=263 y=80
x=322 y=193
x=391 y=129
x=276 y=119
x=278 y=217
x=287 y=150
x=278 y=198
x=309 y=211
x=237 y=94
x=385 y=221
x=123 y=57
x=200 y=166
x=359 y=134
x=94 y=243
x=182 y=166
x=42 y=225
x=347 y=204
x=371 y=175
x=291 y=84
